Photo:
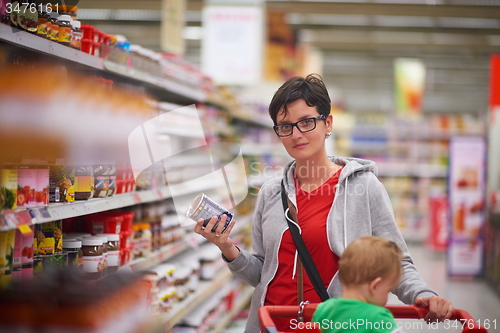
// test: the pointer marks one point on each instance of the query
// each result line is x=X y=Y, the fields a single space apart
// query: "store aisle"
x=474 y=296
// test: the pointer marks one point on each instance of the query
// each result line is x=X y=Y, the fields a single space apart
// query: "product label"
x=24 y=244
x=26 y=187
x=44 y=236
x=54 y=32
x=97 y=227
x=42 y=26
x=101 y=186
x=8 y=189
x=113 y=257
x=42 y=187
x=76 y=40
x=84 y=183
x=93 y=264
x=64 y=35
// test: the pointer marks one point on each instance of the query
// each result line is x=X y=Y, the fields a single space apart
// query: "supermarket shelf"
x=252 y=118
x=33 y=42
x=250 y=149
x=11 y=219
x=170 y=250
x=412 y=170
x=157 y=257
x=242 y=301
x=159 y=82
x=204 y=290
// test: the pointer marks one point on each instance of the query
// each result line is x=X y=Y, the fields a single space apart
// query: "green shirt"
x=349 y=315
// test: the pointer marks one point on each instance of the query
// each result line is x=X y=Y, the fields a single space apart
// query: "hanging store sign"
x=409 y=80
x=467 y=206
x=232 y=44
x=172 y=26
x=494 y=86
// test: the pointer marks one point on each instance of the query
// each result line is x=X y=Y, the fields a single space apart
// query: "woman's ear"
x=329 y=122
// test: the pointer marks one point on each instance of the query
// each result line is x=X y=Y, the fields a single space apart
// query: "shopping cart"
x=305 y=313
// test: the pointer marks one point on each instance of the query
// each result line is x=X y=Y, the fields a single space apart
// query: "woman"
x=337 y=200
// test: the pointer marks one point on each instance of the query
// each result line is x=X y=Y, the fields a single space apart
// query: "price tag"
x=159 y=194
x=137 y=198
x=25 y=229
x=11 y=219
x=24 y=217
x=3 y=223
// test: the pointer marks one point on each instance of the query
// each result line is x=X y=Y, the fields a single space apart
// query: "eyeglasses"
x=304 y=125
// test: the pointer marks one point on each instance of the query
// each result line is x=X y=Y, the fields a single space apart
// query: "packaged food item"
x=43 y=17
x=101 y=180
x=26 y=186
x=105 y=251
x=61 y=183
x=14 y=13
x=65 y=28
x=112 y=180
x=113 y=251
x=42 y=186
x=8 y=187
x=11 y=239
x=181 y=281
x=37 y=267
x=24 y=245
x=84 y=182
x=141 y=240
x=87 y=46
x=93 y=257
x=44 y=239
x=106 y=222
x=205 y=208
x=96 y=46
x=58 y=236
x=53 y=35
x=73 y=248
x=27 y=17
x=53 y=262
x=76 y=35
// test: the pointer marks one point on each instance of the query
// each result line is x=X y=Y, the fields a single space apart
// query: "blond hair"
x=367 y=258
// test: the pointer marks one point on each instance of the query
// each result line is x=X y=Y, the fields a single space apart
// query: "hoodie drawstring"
x=345 y=213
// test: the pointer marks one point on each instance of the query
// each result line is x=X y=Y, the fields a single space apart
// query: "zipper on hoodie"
x=264 y=293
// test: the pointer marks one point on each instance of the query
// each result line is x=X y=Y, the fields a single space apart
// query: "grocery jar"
x=93 y=257
x=113 y=251
x=76 y=35
x=105 y=251
x=73 y=248
x=65 y=28
x=84 y=182
x=101 y=180
x=43 y=17
x=54 y=27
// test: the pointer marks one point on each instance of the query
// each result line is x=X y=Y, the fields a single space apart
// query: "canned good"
x=205 y=208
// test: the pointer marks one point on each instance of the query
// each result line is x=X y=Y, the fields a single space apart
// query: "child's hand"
x=440 y=309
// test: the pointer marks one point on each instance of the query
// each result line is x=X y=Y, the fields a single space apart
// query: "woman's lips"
x=300 y=146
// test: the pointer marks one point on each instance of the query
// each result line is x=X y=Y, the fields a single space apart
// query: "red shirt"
x=313 y=208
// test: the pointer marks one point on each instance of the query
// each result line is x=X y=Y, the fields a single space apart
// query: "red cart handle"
x=266 y=313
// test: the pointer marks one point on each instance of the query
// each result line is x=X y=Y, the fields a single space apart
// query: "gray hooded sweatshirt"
x=361 y=207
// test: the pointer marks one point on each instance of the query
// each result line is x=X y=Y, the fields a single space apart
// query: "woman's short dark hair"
x=311 y=89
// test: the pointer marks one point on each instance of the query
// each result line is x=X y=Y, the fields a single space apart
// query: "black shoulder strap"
x=305 y=257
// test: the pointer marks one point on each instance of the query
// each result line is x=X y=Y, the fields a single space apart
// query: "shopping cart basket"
x=305 y=313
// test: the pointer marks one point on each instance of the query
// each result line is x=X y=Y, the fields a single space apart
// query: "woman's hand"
x=440 y=309
x=221 y=240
